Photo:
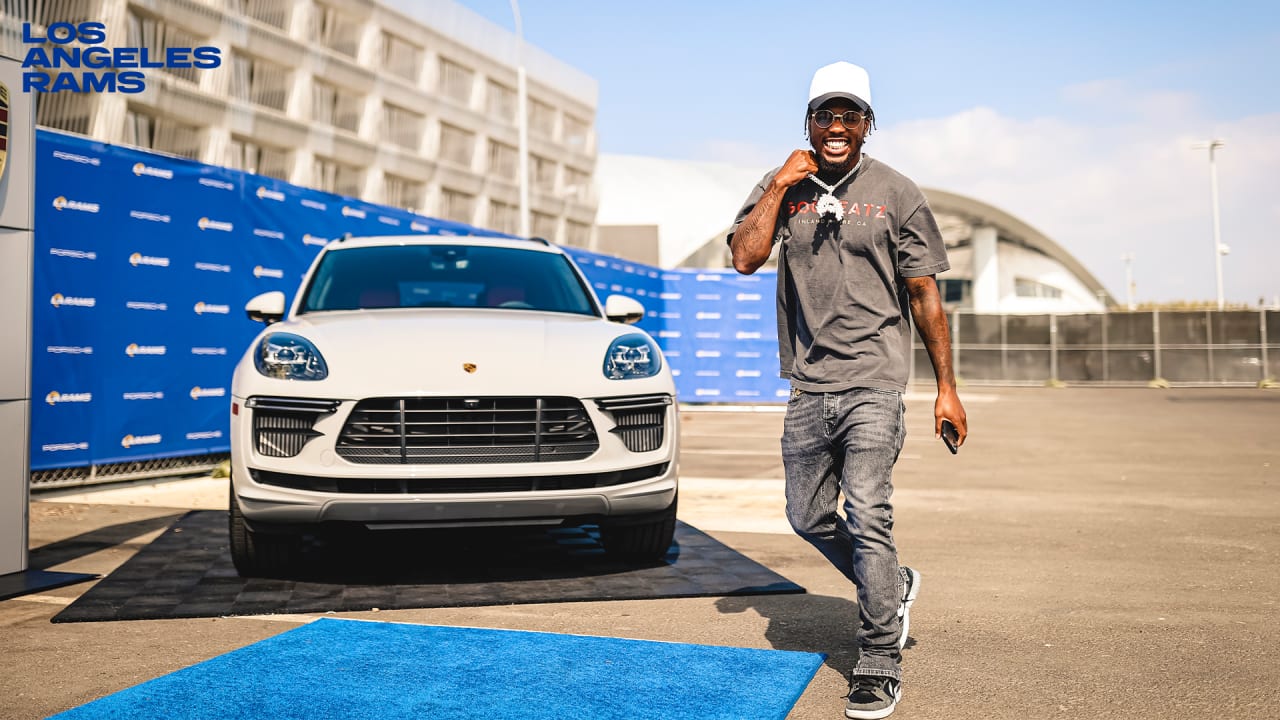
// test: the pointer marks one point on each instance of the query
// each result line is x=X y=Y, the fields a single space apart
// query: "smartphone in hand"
x=950 y=437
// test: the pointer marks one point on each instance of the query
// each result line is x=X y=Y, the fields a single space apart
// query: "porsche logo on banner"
x=4 y=127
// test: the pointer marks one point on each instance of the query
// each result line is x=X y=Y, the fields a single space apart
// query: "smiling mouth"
x=836 y=145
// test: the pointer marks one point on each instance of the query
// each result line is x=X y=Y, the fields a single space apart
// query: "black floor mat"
x=187 y=572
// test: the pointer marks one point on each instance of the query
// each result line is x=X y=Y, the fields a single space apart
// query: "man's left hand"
x=948 y=407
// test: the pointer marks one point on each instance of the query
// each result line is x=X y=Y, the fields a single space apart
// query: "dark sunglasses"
x=824 y=118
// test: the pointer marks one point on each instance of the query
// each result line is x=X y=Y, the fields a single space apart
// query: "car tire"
x=256 y=554
x=640 y=540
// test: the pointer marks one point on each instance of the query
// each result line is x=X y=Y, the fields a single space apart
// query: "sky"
x=1078 y=118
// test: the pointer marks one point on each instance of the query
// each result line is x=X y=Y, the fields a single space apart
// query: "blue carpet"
x=359 y=670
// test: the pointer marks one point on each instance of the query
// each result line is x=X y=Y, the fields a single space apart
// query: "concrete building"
x=676 y=213
x=411 y=103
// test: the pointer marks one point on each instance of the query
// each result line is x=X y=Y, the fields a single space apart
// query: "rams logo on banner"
x=4 y=127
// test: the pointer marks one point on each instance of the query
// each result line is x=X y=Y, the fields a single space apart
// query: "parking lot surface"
x=1089 y=553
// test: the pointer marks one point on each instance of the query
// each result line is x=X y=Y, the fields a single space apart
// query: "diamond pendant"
x=829 y=205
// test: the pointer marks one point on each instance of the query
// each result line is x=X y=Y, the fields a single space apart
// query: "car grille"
x=467 y=430
x=640 y=420
x=427 y=486
x=283 y=426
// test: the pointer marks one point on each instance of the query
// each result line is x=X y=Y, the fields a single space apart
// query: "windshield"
x=399 y=276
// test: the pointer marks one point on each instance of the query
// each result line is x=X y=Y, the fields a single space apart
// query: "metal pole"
x=1053 y=348
x=955 y=342
x=1262 y=335
x=1217 y=228
x=1155 y=344
x=522 y=120
x=1218 y=248
x=1208 y=334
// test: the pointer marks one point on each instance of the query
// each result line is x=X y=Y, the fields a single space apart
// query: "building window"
x=401 y=126
x=67 y=111
x=456 y=145
x=457 y=206
x=577 y=183
x=500 y=102
x=577 y=234
x=543 y=225
x=954 y=290
x=402 y=192
x=162 y=134
x=270 y=12
x=456 y=81
x=504 y=161
x=335 y=30
x=158 y=37
x=245 y=154
x=542 y=173
x=1026 y=287
x=334 y=106
x=542 y=118
x=504 y=217
x=259 y=81
x=576 y=132
x=337 y=177
x=401 y=57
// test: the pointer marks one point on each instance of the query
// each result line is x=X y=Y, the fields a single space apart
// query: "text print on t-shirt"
x=853 y=212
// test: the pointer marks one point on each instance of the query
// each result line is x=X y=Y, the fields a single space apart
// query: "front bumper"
x=319 y=486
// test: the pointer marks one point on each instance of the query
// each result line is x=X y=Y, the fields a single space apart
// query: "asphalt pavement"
x=1089 y=553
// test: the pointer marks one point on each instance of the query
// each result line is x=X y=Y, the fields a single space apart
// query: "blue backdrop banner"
x=144 y=263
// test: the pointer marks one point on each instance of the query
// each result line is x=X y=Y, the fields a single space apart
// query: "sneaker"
x=872 y=696
x=910 y=589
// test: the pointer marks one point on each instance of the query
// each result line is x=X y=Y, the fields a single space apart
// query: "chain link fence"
x=1173 y=348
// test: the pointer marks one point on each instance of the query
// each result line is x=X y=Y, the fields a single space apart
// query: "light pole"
x=1128 y=279
x=522 y=120
x=1218 y=248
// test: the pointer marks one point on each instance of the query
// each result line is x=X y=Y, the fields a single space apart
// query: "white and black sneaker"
x=910 y=589
x=872 y=696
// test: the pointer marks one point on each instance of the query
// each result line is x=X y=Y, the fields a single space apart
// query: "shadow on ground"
x=103 y=538
x=807 y=623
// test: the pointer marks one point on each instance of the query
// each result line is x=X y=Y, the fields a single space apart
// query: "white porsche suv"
x=449 y=382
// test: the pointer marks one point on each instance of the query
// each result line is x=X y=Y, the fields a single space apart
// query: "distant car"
x=424 y=382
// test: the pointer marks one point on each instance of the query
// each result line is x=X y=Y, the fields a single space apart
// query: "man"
x=859 y=252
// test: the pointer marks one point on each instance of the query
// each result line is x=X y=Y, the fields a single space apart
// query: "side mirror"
x=622 y=309
x=266 y=308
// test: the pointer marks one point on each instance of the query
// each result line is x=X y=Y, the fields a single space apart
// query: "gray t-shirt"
x=843 y=314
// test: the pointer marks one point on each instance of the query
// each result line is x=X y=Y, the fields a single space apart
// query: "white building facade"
x=410 y=103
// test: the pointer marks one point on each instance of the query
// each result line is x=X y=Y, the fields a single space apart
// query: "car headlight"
x=286 y=356
x=632 y=356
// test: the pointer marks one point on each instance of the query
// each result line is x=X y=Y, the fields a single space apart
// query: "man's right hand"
x=753 y=240
x=798 y=166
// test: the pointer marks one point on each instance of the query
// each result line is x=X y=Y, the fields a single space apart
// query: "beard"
x=828 y=168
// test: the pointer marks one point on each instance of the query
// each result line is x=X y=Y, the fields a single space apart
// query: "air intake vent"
x=467 y=430
x=283 y=426
x=641 y=420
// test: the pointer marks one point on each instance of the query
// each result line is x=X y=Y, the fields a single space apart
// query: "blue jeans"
x=848 y=442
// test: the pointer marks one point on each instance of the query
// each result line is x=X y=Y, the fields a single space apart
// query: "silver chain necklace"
x=828 y=204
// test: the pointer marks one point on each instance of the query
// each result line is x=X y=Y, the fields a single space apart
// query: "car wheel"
x=258 y=554
x=640 y=540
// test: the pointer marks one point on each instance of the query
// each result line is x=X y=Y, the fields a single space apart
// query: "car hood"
x=410 y=352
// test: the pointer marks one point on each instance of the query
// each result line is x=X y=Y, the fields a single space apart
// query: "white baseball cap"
x=840 y=80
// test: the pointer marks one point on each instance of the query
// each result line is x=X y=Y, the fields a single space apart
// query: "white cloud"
x=1119 y=176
